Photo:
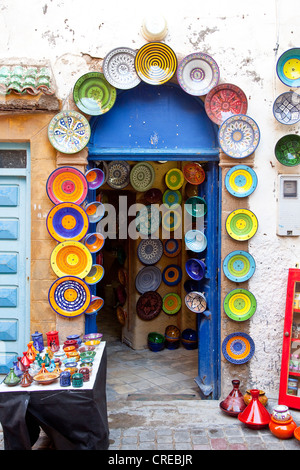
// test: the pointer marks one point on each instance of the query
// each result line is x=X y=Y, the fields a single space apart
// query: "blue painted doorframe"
x=164 y=123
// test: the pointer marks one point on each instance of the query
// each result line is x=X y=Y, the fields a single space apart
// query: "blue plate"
x=172 y=275
x=286 y=108
x=238 y=348
x=241 y=181
x=239 y=266
x=288 y=67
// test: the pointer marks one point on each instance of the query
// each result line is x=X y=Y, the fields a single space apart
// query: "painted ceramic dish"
x=287 y=150
x=238 y=348
x=94 y=242
x=224 y=101
x=174 y=179
x=118 y=174
x=172 y=275
x=241 y=224
x=69 y=132
x=119 y=70
x=71 y=258
x=241 y=181
x=121 y=315
x=153 y=196
x=149 y=305
x=69 y=296
x=148 y=220
x=95 y=211
x=67 y=221
x=288 y=67
x=150 y=251
x=95 y=178
x=93 y=94
x=195 y=240
x=172 y=198
x=239 y=266
x=195 y=268
x=193 y=173
x=45 y=378
x=171 y=221
x=148 y=279
x=142 y=176
x=196 y=302
x=171 y=303
x=198 y=73
x=95 y=274
x=286 y=108
x=172 y=247
x=155 y=63
x=239 y=136
x=240 y=304
x=95 y=305
x=122 y=277
x=196 y=206
x=67 y=184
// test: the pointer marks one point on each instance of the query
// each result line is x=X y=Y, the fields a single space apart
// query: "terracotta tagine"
x=262 y=397
x=282 y=429
x=26 y=379
x=234 y=403
x=255 y=415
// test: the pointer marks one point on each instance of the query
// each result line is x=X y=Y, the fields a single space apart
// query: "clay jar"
x=234 y=403
x=262 y=397
x=282 y=429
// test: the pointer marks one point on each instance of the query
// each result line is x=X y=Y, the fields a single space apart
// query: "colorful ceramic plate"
x=240 y=304
x=287 y=150
x=150 y=250
x=195 y=240
x=238 y=348
x=95 y=305
x=196 y=206
x=149 y=305
x=95 y=211
x=118 y=174
x=239 y=136
x=148 y=220
x=224 y=101
x=148 y=279
x=241 y=224
x=286 y=108
x=172 y=275
x=67 y=184
x=95 y=274
x=172 y=198
x=122 y=276
x=69 y=296
x=142 y=176
x=95 y=178
x=69 y=132
x=93 y=94
x=171 y=303
x=171 y=220
x=71 y=258
x=239 y=266
x=174 y=179
x=94 y=242
x=118 y=68
x=193 y=173
x=67 y=221
x=195 y=268
x=198 y=73
x=172 y=247
x=155 y=63
x=288 y=67
x=196 y=302
x=241 y=181
x=45 y=378
x=121 y=315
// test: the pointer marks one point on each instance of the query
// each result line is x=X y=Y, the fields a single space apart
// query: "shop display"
x=67 y=184
x=95 y=211
x=195 y=268
x=93 y=94
x=142 y=176
x=71 y=258
x=193 y=173
x=196 y=206
x=95 y=178
x=234 y=402
x=255 y=415
x=119 y=70
x=67 y=221
x=172 y=198
x=224 y=101
x=241 y=224
x=240 y=304
x=196 y=302
x=239 y=266
x=95 y=274
x=239 y=136
x=288 y=67
x=195 y=240
x=286 y=108
x=94 y=242
x=172 y=247
x=148 y=279
x=69 y=296
x=118 y=174
x=198 y=73
x=238 y=348
x=155 y=63
x=241 y=181
x=174 y=179
x=150 y=250
x=189 y=339
x=149 y=305
x=287 y=150
x=156 y=341
x=171 y=303
x=172 y=275
x=69 y=132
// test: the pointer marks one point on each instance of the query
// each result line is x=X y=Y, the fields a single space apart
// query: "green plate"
x=287 y=150
x=93 y=94
x=240 y=304
x=196 y=206
x=171 y=303
x=142 y=176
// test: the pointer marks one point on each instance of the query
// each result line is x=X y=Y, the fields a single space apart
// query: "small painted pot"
x=262 y=397
x=281 y=413
x=282 y=429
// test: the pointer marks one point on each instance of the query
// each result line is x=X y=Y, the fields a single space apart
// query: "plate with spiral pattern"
x=239 y=136
x=155 y=63
x=93 y=94
x=150 y=250
x=69 y=296
x=238 y=348
x=119 y=70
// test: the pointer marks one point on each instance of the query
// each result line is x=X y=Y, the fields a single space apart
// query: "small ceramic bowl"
x=92 y=336
x=88 y=355
x=93 y=342
x=86 y=348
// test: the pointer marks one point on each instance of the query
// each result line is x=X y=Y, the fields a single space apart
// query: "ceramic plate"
x=195 y=268
x=149 y=305
x=288 y=67
x=171 y=221
x=171 y=303
x=241 y=224
x=95 y=211
x=172 y=275
x=174 y=179
x=95 y=274
x=240 y=304
x=121 y=315
x=67 y=184
x=93 y=94
x=95 y=305
x=95 y=178
x=148 y=279
x=94 y=242
x=238 y=348
x=241 y=181
x=118 y=68
x=148 y=220
x=287 y=150
x=196 y=206
x=71 y=258
x=155 y=63
x=196 y=302
x=195 y=240
x=172 y=198
x=193 y=173
x=67 y=221
x=286 y=108
x=239 y=136
x=172 y=247
x=198 y=73
x=239 y=266
x=150 y=250
x=224 y=101
x=69 y=132
x=69 y=296
x=142 y=176
x=118 y=174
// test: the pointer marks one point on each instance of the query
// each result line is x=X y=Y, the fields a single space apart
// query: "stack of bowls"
x=156 y=341
x=189 y=338
x=172 y=337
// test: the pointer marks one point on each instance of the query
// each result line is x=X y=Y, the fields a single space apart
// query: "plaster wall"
x=245 y=39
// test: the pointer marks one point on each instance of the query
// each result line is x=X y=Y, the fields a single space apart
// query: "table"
x=73 y=418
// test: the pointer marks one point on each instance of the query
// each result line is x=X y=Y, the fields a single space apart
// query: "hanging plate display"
x=172 y=275
x=67 y=184
x=148 y=220
x=224 y=101
x=288 y=67
x=239 y=136
x=94 y=242
x=122 y=276
x=174 y=179
x=172 y=247
x=195 y=268
x=195 y=240
x=93 y=94
x=150 y=250
x=240 y=304
x=95 y=305
x=148 y=279
x=241 y=181
x=238 y=348
x=118 y=174
x=95 y=274
x=67 y=221
x=142 y=176
x=71 y=258
x=193 y=173
x=239 y=266
x=69 y=296
x=286 y=108
x=121 y=315
x=69 y=132
x=172 y=198
x=196 y=206
x=155 y=63
x=171 y=303
x=95 y=178
x=196 y=302
x=241 y=224
x=287 y=150
x=149 y=305
x=95 y=211
x=198 y=73
x=118 y=68
x=171 y=220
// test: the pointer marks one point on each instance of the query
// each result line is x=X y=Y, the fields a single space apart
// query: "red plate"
x=224 y=101
x=194 y=173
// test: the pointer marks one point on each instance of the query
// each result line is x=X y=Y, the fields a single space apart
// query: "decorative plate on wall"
x=172 y=275
x=239 y=136
x=241 y=224
x=69 y=296
x=67 y=221
x=171 y=220
x=67 y=184
x=155 y=63
x=118 y=68
x=287 y=150
x=196 y=302
x=93 y=94
x=224 y=101
x=171 y=303
x=195 y=240
x=95 y=178
x=193 y=173
x=95 y=274
x=150 y=250
x=288 y=67
x=118 y=174
x=172 y=247
x=69 y=132
x=198 y=73
x=174 y=179
x=196 y=206
x=142 y=176
x=239 y=266
x=148 y=220
x=153 y=196
x=71 y=258
x=238 y=348
x=241 y=181
x=240 y=304
x=172 y=198
x=148 y=279
x=95 y=305
x=195 y=268
x=149 y=305
x=95 y=211
x=94 y=242
x=286 y=108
